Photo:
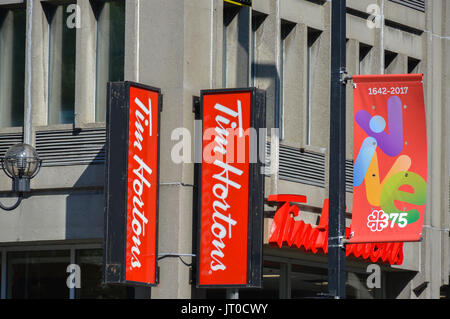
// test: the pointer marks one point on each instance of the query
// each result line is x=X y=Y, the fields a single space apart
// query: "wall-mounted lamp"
x=21 y=163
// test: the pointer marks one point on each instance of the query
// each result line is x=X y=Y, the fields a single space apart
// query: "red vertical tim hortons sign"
x=132 y=184
x=231 y=199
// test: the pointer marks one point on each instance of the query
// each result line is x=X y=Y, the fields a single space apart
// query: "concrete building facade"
x=63 y=53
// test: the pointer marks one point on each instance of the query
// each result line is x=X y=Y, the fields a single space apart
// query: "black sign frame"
x=255 y=238
x=116 y=182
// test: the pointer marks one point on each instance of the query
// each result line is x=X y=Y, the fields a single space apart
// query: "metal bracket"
x=13 y=207
x=344 y=78
x=175 y=255
x=196 y=106
x=190 y=266
x=342 y=242
x=167 y=255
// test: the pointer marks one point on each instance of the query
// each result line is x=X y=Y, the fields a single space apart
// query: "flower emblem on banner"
x=390 y=162
x=378 y=221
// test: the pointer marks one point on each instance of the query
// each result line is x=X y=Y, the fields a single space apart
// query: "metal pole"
x=27 y=139
x=336 y=248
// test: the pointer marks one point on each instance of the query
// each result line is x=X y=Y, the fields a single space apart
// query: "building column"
x=86 y=59
x=434 y=258
x=37 y=93
x=174 y=57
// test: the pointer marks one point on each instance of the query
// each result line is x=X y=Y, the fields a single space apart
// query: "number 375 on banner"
x=390 y=151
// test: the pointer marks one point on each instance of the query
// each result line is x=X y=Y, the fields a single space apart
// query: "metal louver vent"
x=8 y=140
x=300 y=167
x=415 y=4
x=305 y=167
x=349 y=176
x=68 y=147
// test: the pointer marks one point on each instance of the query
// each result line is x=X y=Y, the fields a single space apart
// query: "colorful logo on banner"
x=390 y=169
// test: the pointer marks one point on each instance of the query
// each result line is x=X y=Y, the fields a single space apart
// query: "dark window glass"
x=90 y=262
x=110 y=50
x=313 y=63
x=62 y=44
x=38 y=275
x=12 y=67
x=365 y=58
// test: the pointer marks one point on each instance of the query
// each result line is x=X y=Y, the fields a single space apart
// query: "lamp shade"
x=21 y=161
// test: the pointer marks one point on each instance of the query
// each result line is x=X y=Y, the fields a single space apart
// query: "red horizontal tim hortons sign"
x=135 y=196
x=232 y=189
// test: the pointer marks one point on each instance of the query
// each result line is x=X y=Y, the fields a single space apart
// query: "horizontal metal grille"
x=415 y=4
x=68 y=147
x=305 y=167
x=349 y=176
x=8 y=140
x=300 y=167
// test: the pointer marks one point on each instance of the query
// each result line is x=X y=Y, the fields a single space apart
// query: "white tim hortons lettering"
x=223 y=177
x=222 y=134
x=140 y=181
x=234 y=114
x=148 y=112
x=139 y=220
x=138 y=134
x=223 y=222
x=140 y=171
x=141 y=118
x=218 y=253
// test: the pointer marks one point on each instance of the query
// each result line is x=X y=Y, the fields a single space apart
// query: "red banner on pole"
x=390 y=151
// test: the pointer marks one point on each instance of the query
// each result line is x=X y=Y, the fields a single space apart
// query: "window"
x=286 y=28
x=413 y=66
x=283 y=279
x=90 y=262
x=61 y=86
x=312 y=64
x=257 y=22
x=12 y=67
x=236 y=45
x=445 y=292
x=390 y=64
x=263 y=71
x=271 y=285
x=110 y=50
x=38 y=274
x=365 y=58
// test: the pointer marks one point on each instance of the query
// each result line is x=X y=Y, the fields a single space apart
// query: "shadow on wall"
x=248 y=22
x=85 y=204
x=397 y=283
